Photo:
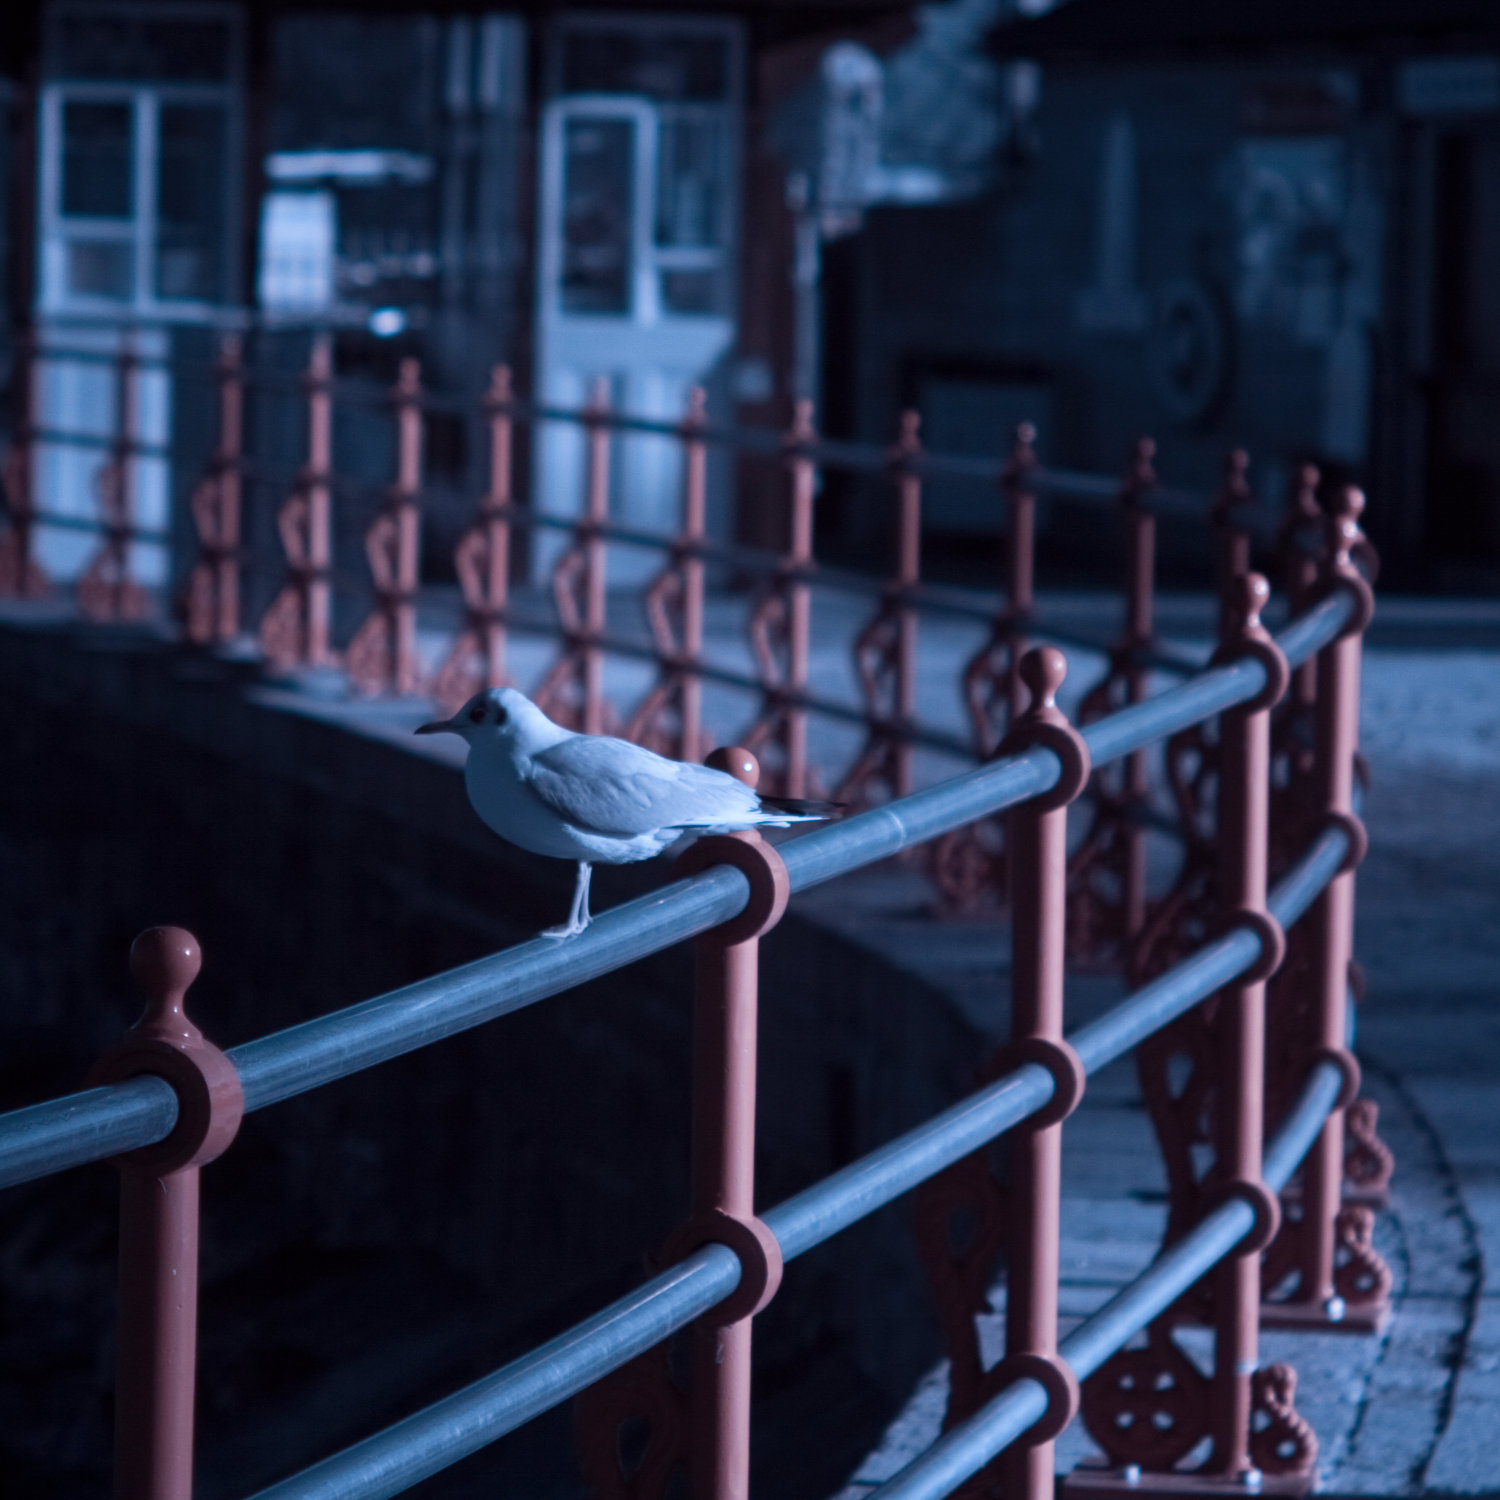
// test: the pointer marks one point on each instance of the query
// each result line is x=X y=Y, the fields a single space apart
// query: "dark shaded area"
x=374 y=1245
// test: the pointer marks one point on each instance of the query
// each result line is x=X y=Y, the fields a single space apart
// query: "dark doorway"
x=1462 y=510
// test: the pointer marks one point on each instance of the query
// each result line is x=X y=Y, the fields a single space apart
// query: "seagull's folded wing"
x=613 y=787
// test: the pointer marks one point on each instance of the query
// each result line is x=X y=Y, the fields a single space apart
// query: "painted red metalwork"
x=781 y=624
x=885 y=651
x=295 y=631
x=572 y=692
x=1022 y=1220
x=482 y=561
x=210 y=603
x=669 y=719
x=159 y=1192
x=1149 y=1407
x=1107 y=872
x=382 y=656
x=106 y=592
x=707 y=1429
x=967 y=863
x=1228 y=517
x=1337 y=1278
x=21 y=576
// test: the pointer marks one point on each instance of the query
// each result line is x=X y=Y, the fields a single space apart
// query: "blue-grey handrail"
x=967 y=1448
x=450 y=1429
x=98 y=1123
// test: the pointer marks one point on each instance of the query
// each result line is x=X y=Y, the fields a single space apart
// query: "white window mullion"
x=49 y=171
x=147 y=134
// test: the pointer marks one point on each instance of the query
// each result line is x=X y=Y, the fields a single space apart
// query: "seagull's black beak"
x=438 y=726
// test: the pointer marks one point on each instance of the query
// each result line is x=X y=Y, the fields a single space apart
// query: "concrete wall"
x=373 y=1245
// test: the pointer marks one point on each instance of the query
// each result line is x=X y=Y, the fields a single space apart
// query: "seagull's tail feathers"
x=799 y=810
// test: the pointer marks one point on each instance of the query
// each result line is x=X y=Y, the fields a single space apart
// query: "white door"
x=634 y=271
x=134 y=233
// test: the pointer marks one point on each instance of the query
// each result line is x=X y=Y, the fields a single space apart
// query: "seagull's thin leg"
x=578 y=917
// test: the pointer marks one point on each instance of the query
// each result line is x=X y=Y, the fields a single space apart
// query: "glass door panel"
x=191 y=207
x=598 y=215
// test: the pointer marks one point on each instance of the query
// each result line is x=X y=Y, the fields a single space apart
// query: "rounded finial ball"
x=1249 y=594
x=738 y=762
x=165 y=961
x=1042 y=670
x=1025 y=434
x=1351 y=502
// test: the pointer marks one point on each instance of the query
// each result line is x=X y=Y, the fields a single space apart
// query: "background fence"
x=316 y=570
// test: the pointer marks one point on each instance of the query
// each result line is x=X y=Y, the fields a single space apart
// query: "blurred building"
x=1270 y=224
x=587 y=195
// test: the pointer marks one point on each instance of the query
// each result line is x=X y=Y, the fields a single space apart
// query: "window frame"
x=146 y=99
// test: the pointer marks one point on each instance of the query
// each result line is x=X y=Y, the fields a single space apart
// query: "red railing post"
x=211 y=600
x=382 y=656
x=106 y=592
x=885 y=651
x=971 y=860
x=482 y=562
x=1037 y=844
x=1231 y=538
x=710 y=1430
x=573 y=690
x=1342 y=1282
x=157 y=1358
x=781 y=621
x=1021 y=1221
x=21 y=576
x=674 y=610
x=802 y=476
x=296 y=630
x=1107 y=873
x=1240 y=1024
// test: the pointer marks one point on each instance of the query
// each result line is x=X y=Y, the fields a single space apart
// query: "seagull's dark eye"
x=476 y=714
x=499 y=715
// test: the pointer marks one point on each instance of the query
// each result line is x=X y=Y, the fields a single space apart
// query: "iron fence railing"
x=1275 y=784
x=316 y=585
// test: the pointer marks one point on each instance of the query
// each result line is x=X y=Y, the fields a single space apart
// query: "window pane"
x=97 y=161
x=155 y=49
x=101 y=268
x=689 y=182
x=598 y=160
x=190 y=201
x=693 y=293
x=659 y=64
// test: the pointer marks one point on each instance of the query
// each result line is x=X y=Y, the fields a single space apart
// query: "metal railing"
x=1286 y=711
x=306 y=619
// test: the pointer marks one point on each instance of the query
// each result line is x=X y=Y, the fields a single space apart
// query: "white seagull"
x=593 y=798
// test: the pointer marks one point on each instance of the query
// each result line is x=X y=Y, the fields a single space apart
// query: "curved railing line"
x=329 y=1047
x=450 y=1429
x=967 y=1448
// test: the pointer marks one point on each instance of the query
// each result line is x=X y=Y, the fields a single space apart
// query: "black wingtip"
x=803 y=807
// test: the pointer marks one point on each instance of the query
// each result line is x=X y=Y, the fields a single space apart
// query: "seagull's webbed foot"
x=578 y=917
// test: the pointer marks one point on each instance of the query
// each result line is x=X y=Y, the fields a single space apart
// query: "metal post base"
x=1086 y=1482
x=1333 y=1316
